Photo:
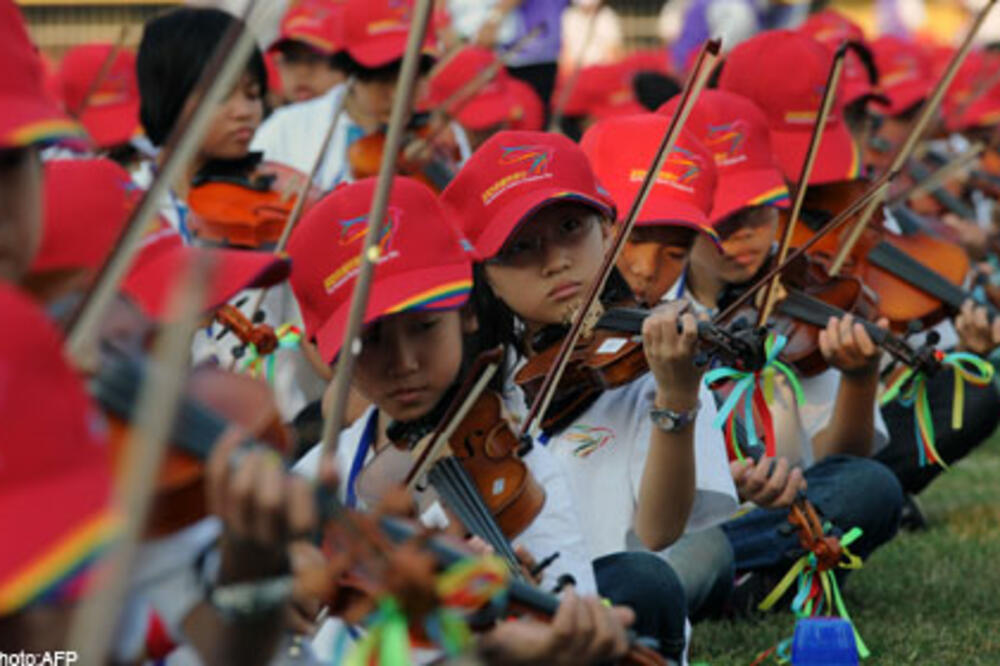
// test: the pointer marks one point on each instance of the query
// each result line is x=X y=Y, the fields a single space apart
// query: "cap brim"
x=838 y=157
x=667 y=212
x=444 y=287
x=378 y=51
x=111 y=125
x=150 y=283
x=510 y=217
x=757 y=187
x=58 y=542
x=25 y=122
x=315 y=42
x=903 y=97
x=616 y=110
x=483 y=111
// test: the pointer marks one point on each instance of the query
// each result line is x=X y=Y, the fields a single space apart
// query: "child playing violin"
x=412 y=354
x=833 y=431
x=540 y=223
x=374 y=40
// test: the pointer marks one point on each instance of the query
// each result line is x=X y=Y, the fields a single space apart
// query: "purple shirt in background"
x=545 y=47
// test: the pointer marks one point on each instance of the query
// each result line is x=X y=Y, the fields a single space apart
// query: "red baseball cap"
x=511 y=176
x=316 y=23
x=905 y=72
x=55 y=465
x=621 y=150
x=111 y=113
x=960 y=110
x=423 y=263
x=529 y=111
x=785 y=73
x=375 y=31
x=274 y=82
x=163 y=257
x=87 y=203
x=734 y=130
x=600 y=91
x=831 y=28
x=490 y=105
x=27 y=114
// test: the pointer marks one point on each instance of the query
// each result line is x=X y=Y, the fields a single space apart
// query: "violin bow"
x=401 y=104
x=300 y=202
x=696 y=82
x=217 y=79
x=916 y=133
x=458 y=99
x=102 y=73
x=95 y=621
x=829 y=95
x=555 y=122
x=941 y=175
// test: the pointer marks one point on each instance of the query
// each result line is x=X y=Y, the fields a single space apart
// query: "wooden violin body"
x=427 y=155
x=179 y=499
x=245 y=203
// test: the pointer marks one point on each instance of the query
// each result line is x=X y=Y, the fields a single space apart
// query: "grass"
x=930 y=597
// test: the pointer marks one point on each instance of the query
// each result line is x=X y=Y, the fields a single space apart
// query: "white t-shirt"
x=292 y=135
x=796 y=425
x=603 y=454
x=555 y=529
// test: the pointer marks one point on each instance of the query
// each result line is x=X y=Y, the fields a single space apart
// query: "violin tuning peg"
x=239 y=303
x=932 y=338
x=259 y=317
x=740 y=324
x=222 y=334
x=238 y=351
x=701 y=359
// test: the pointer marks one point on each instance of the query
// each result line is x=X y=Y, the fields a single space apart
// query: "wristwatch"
x=669 y=420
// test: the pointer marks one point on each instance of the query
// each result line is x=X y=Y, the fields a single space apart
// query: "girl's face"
x=652 y=260
x=547 y=265
x=235 y=121
x=409 y=360
x=746 y=243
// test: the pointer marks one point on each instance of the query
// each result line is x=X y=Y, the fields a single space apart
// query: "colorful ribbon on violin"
x=752 y=391
x=910 y=388
x=463 y=587
x=817 y=590
x=258 y=365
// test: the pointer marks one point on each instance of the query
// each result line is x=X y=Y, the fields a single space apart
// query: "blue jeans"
x=848 y=491
x=645 y=583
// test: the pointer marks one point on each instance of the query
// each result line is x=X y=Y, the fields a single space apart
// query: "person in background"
x=591 y=35
x=311 y=33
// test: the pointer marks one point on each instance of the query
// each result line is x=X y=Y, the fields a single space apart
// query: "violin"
x=605 y=359
x=470 y=455
x=248 y=332
x=429 y=155
x=213 y=399
x=245 y=203
x=811 y=297
x=916 y=277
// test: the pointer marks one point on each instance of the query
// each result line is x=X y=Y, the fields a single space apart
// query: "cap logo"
x=352 y=231
x=534 y=163
x=728 y=142
x=401 y=21
x=685 y=169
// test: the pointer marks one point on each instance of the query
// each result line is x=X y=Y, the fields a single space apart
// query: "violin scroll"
x=248 y=332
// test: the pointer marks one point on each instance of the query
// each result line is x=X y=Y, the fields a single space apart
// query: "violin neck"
x=116 y=388
x=895 y=261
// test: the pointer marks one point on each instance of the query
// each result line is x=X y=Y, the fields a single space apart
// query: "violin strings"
x=452 y=481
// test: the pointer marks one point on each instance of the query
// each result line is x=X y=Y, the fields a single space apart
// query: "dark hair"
x=653 y=89
x=174 y=50
x=498 y=324
x=386 y=73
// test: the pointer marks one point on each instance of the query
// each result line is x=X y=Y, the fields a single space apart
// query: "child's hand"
x=768 y=483
x=670 y=338
x=846 y=345
x=583 y=631
x=975 y=331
